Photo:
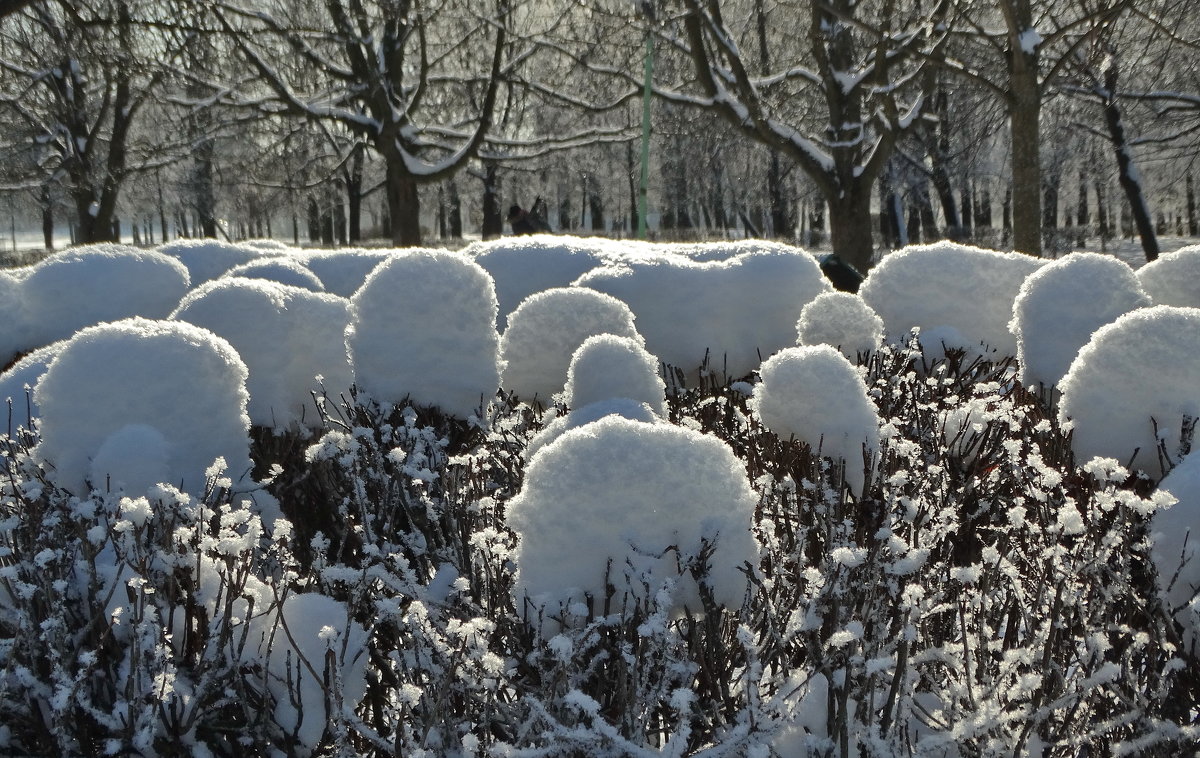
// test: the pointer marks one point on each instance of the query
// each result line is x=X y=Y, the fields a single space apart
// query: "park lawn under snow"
x=139 y=369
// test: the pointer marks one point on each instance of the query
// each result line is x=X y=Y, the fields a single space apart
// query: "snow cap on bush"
x=586 y=414
x=206 y=259
x=843 y=320
x=86 y=285
x=624 y=491
x=814 y=394
x=279 y=269
x=1173 y=278
x=171 y=385
x=524 y=265
x=1059 y=307
x=945 y=284
x=735 y=310
x=1134 y=373
x=26 y=372
x=607 y=366
x=1175 y=539
x=16 y=336
x=296 y=335
x=545 y=330
x=423 y=326
x=343 y=271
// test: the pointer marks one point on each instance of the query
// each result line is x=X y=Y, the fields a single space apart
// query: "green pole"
x=645 y=135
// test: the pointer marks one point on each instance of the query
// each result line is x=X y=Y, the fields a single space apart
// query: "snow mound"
x=945 y=284
x=587 y=414
x=26 y=372
x=1174 y=278
x=843 y=320
x=297 y=335
x=1059 y=307
x=278 y=269
x=16 y=336
x=87 y=285
x=295 y=640
x=113 y=382
x=735 y=311
x=814 y=394
x=1134 y=373
x=608 y=366
x=624 y=491
x=423 y=326
x=545 y=330
x=344 y=271
x=270 y=245
x=206 y=259
x=1175 y=538
x=522 y=266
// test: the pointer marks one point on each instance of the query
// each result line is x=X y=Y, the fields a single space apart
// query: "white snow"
x=843 y=320
x=813 y=393
x=87 y=285
x=16 y=336
x=627 y=491
x=182 y=381
x=609 y=366
x=1175 y=536
x=1134 y=373
x=206 y=259
x=545 y=330
x=586 y=414
x=1173 y=279
x=296 y=336
x=738 y=310
x=26 y=372
x=278 y=269
x=949 y=290
x=343 y=271
x=1059 y=307
x=423 y=326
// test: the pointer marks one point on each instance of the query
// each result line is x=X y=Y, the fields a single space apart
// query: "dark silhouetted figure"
x=532 y=221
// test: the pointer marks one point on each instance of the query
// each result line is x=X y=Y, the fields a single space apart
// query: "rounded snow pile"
x=608 y=366
x=87 y=285
x=206 y=259
x=150 y=401
x=814 y=394
x=956 y=294
x=295 y=336
x=1059 y=307
x=278 y=269
x=423 y=326
x=1175 y=536
x=641 y=496
x=522 y=266
x=344 y=271
x=843 y=320
x=545 y=330
x=590 y=413
x=1135 y=373
x=734 y=311
x=16 y=336
x=26 y=373
x=1174 y=278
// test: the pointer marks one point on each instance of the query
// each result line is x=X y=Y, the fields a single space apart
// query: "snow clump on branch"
x=1059 y=307
x=423 y=326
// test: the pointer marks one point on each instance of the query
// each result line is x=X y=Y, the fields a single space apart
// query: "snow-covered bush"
x=297 y=336
x=87 y=285
x=17 y=335
x=344 y=270
x=16 y=385
x=956 y=294
x=1059 y=307
x=609 y=366
x=1173 y=278
x=545 y=330
x=1175 y=533
x=398 y=338
x=206 y=259
x=814 y=394
x=641 y=508
x=843 y=320
x=138 y=402
x=1132 y=388
x=726 y=314
x=523 y=266
x=280 y=269
x=586 y=414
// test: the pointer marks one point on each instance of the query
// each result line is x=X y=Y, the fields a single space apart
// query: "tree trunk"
x=455 y=211
x=354 y=187
x=203 y=187
x=1193 y=224
x=314 y=220
x=493 y=219
x=48 y=218
x=850 y=228
x=1025 y=106
x=404 y=203
x=1126 y=172
x=1102 y=211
